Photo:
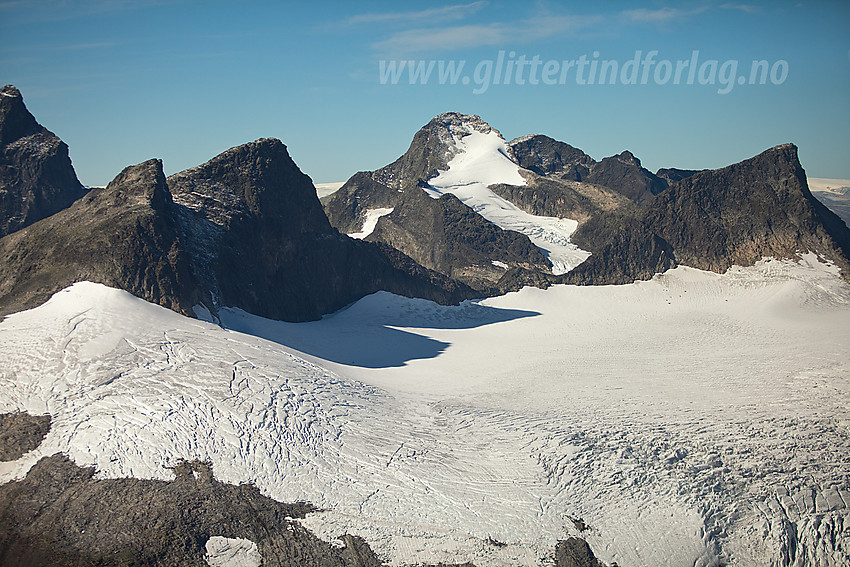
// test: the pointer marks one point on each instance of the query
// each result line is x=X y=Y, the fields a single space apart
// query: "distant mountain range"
x=834 y=193
x=461 y=214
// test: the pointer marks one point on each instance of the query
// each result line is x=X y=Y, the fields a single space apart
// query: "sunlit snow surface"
x=482 y=160
x=681 y=418
x=232 y=552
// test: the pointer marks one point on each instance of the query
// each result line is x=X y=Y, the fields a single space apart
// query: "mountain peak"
x=16 y=121
x=629 y=158
x=257 y=179
x=10 y=90
x=432 y=148
x=544 y=155
x=463 y=121
x=144 y=181
x=36 y=177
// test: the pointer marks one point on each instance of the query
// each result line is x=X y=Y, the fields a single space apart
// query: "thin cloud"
x=81 y=46
x=482 y=35
x=444 y=13
x=659 y=16
x=747 y=8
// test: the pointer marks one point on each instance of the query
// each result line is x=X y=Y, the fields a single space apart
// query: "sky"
x=122 y=81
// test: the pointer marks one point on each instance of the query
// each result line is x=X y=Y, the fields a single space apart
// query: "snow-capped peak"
x=480 y=157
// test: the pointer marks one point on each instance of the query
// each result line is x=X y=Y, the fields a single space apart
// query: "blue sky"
x=124 y=81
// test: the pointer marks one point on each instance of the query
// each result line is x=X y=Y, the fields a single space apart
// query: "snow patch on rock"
x=232 y=552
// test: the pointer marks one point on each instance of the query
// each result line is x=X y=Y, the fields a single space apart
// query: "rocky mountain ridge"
x=243 y=230
x=634 y=222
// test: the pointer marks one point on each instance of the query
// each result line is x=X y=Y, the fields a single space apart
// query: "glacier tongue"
x=482 y=159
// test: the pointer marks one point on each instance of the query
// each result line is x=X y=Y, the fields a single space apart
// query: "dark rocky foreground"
x=36 y=175
x=60 y=515
x=20 y=433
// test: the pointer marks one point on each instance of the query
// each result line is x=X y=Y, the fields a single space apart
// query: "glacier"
x=693 y=419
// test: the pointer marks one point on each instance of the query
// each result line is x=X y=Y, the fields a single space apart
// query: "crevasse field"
x=687 y=419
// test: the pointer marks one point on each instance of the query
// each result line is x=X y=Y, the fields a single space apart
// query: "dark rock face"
x=623 y=250
x=261 y=242
x=126 y=235
x=711 y=220
x=552 y=197
x=346 y=208
x=36 y=175
x=20 y=433
x=546 y=156
x=671 y=175
x=741 y=213
x=575 y=552
x=246 y=231
x=623 y=173
x=61 y=515
x=447 y=236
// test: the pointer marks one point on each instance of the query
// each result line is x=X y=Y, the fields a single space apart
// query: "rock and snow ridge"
x=479 y=158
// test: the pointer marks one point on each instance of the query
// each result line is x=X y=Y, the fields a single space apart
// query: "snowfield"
x=371 y=221
x=693 y=419
x=481 y=160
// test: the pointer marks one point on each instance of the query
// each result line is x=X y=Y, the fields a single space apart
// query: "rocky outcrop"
x=671 y=175
x=347 y=207
x=125 y=235
x=624 y=249
x=546 y=156
x=20 y=433
x=575 y=552
x=36 y=175
x=623 y=173
x=552 y=197
x=741 y=213
x=447 y=236
x=61 y=515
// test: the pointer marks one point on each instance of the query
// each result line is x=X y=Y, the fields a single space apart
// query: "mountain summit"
x=438 y=208
x=36 y=176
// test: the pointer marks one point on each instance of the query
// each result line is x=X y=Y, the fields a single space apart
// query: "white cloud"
x=659 y=16
x=748 y=8
x=482 y=35
x=444 y=13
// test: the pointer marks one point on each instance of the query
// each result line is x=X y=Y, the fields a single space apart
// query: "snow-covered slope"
x=482 y=159
x=689 y=418
x=372 y=217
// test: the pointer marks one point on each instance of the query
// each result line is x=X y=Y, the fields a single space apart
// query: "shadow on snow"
x=364 y=334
